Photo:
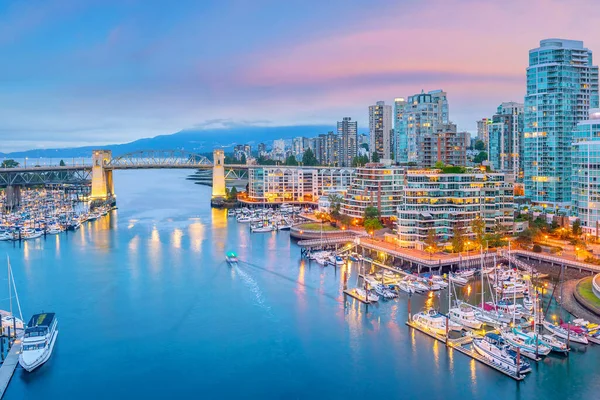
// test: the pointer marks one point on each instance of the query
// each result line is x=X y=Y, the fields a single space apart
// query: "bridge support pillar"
x=13 y=196
x=102 y=183
x=218 y=180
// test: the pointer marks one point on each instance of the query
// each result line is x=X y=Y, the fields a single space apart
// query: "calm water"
x=147 y=308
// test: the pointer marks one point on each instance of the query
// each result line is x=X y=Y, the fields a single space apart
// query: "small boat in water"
x=433 y=321
x=457 y=279
x=370 y=297
x=38 y=341
x=526 y=342
x=465 y=315
x=493 y=349
x=231 y=258
x=555 y=344
x=564 y=333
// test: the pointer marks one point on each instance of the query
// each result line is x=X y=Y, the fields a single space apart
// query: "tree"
x=371 y=212
x=577 y=228
x=481 y=157
x=372 y=224
x=243 y=160
x=478 y=228
x=335 y=203
x=9 y=164
x=309 y=159
x=479 y=145
x=375 y=157
x=439 y=165
x=360 y=161
x=458 y=238
x=431 y=242
x=232 y=194
x=62 y=163
x=291 y=160
x=262 y=160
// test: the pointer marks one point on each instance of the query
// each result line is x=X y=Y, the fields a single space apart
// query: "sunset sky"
x=77 y=72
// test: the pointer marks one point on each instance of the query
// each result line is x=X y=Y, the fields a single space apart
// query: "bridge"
x=100 y=171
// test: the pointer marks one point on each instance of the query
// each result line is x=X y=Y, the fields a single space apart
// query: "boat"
x=526 y=342
x=231 y=258
x=466 y=273
x=243 y=219
x=38 y=340
x=465 y=315
x=555 y=344
x=459 y=280
x=370 y=297
x=405 y=287
x=335 y=260
x=433 y=321
x=563 y=333
x=231 y=213
x=261 y=229
x=493 y=349
x=385 y=291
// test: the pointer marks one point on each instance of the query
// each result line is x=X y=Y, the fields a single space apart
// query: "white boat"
x=517 y=338
x=433 y=321
x=510 y=287
x=243 y=219
x=555 y=344
x=465 y=315
x=322 y=260
x=438 y=280
x=38 y=340
x=466 y=273
x=335 y=260
x=262 y=229
x=492 y=348
x=363 y=293
x=231 y=258
x=405 y=287
x=384 y=291
x=564 y=333
x=459 y=280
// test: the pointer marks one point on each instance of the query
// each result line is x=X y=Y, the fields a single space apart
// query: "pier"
x=9 y=365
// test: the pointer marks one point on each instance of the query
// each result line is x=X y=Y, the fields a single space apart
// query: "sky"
x=87 y=72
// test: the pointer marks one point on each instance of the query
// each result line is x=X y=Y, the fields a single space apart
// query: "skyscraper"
x=562 y=85
x=505 y=139
x=483 y=130
x=380 y=129
x=419 y=115
x=347 y=134
x=446 y=145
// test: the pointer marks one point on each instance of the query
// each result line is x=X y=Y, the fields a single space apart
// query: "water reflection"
x=196 y=231
x=155 y=250
x=176 y=238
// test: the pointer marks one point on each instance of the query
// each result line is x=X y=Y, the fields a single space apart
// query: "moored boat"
x=38 y=340
x=493 y=349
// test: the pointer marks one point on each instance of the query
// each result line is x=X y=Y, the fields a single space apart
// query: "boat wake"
x=255 y=289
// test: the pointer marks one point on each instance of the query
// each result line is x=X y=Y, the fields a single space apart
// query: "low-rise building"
x=433 y=200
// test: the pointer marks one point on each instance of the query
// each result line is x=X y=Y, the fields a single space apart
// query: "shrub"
x=537 y=248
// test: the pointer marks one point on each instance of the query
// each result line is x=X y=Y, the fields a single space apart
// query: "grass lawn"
x=585 y=290
x=313 y=226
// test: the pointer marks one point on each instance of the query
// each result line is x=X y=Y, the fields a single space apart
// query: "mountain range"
x=197 y=141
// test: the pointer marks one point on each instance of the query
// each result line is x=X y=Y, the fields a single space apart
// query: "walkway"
x=572 y=306
x=9 y=365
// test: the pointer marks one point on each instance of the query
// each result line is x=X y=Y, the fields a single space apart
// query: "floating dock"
x=352 y=293
x=459 y=345
x=9 y=365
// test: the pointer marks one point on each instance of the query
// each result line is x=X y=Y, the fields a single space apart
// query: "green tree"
x=9 y=164
x=458 y=238
x=291 y=161
x=478 y=228
x=481 y=157
x=62 y=163
x=360 y=161
x=375 y=157
x=262 y=160
x=431 y=242
x=372 y=224
x=232 y=194
x=479 y=145
x=335 y=204
x=371 y=212
x=577 y=228
x=439 y=165
x=309 y=159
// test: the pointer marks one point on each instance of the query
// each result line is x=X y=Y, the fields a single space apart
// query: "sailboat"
x=9 y=320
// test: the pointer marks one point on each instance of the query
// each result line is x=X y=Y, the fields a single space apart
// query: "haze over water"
x=148 y=308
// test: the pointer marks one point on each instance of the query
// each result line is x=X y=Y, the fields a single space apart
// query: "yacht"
x=363 y=293
x=464 y=315
x=457 y=279
x=438 y=280
x=231 y=258
x=243 y=218
x=405 y=287
x=493 y=349
x=335 y=260
x=385 y=292
x=555 y=344
x=433 y=321
x=38 y=340
x=527 y=343
x=231 y=213
x=564 y=333
x=261 y=229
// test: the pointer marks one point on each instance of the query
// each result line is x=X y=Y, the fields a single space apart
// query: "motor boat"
x=526 y=342
x=38 y=340
x=555 y=344
x=563 y=333
x=385 y=291
x=405 y=286
x=465 y=315
x=457 y=279
x=466 y=273
x=261 y=229
x=493 y=349
x=231 y=258
x=335 y=260
x=433 y=321
x=370 y=297
x=243 y=219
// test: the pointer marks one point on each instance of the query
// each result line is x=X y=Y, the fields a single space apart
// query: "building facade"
x=505 y=144
x=417 y=116
x=347 y=132
x=446 y=145
x=380 y=130
x=562 y=85
x=585 y=182
x=441 y=202
x=483 y=130
x=374 y=185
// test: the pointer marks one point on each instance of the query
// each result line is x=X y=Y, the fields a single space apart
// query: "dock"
x=9 y=365
x=352 y=293
x=460 y=345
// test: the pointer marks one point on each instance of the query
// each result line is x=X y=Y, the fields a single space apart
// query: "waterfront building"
x=446 y=145
x=562 y=85
x=283 y=184
x=380 y=129
x=419 y=115
x=505 y=139
x=585 y=182
x=348 y=141
x=374 y=185
x=433 y=200
x=483 y=130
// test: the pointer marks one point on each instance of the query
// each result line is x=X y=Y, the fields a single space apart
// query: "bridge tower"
x=218 y=182
x=102 y=179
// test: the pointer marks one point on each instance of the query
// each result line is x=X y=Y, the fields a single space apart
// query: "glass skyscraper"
x=504 y=138
x=419 y=115
x=562 y=85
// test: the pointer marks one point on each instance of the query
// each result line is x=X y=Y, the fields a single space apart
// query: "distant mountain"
x=198 y=141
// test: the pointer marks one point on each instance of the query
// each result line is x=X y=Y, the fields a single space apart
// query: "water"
x=148 y=308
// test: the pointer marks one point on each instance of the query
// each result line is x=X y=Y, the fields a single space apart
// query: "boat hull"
x=29 y=367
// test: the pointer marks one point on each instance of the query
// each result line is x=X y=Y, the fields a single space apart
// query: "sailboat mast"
x=16 y=294
x=9 y=284
x=481 y=262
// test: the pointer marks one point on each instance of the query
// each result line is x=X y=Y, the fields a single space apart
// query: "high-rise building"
x=505 y=139
x=483 y=130
x=299 y=145
x=347 y=133
x=262 y=149
x=585 y=182
x=380 y=129
x=419 y=115
x=445 y=145
x=562 y=85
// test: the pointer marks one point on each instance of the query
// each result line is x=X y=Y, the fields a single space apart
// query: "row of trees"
x=460 y=241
